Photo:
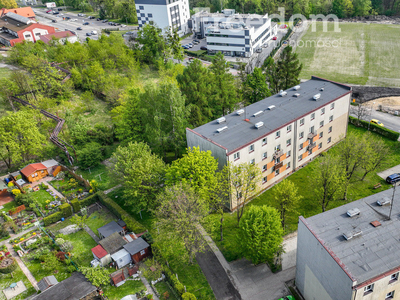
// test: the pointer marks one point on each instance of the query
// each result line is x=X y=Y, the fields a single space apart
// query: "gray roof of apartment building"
x=371 y=251
x=287 y=109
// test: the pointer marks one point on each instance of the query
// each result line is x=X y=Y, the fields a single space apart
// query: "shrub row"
x=66 y=210
x=199 y=53
x=390 y=134
x=52 y=218
x=131 y=223
x=78 y=204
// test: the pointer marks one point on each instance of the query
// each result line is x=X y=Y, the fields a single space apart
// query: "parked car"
x=54 y=21
x=185 y=46
x=59 y=9
x=287 y=298
x=98 y=19
x=93 y=32
x=203 y=48
x=86 y=23
x=377 y=122
x=49 y=11
x=274 y=38
x=73 y=20
x=196 y=41
x=88 y=34
x=79 y=28
x=105 y=21
x=91 y=17
x=393 y=178
x=81 y=15
x=259 y=50
x=56 y=13
x=67 y=18
x=117 y=24
x=190 y=45
x=123 y=25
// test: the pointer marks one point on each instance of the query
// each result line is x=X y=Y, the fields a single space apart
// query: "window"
x=301 y=122
x=150 y=15
x=289 y=128
x=288 y=142
x=368 y=289
x=141 y=7
x=319 y=145
x=278 y=160
x=236 y=156
x=300 y=158
x=288 y=153
x=278 y=147
x=277 y=172
x=321 y=124
x=312 y=116
x=264 y=168
x=264 y=155
x=253 y=161
x=390 y=295
x=312 y=129
x=278 y=134
x=288 y=165
x=329 y=140
x=330 y=119
x=264 y=179
x=37 y=34
x=251 y=148
x=264 y=141
x=301 y=146
x=332 y=105
x=330 y=129
x=321 y=134
x=394 y=277
x=322 y=111
x=143 y=252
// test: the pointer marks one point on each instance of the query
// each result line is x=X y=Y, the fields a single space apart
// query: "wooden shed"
x=138 y=249
x=34 y=172
x=101 y=255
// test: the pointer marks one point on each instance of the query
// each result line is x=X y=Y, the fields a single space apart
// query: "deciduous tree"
x=8 y=4
x=257 y=88
x=98 y=276
x=79 y=220
x=287 y=197
x=376 y=154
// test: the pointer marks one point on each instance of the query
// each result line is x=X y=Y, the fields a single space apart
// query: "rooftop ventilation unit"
x=383 y=202
x=347 y=236
x=222 y=129
x=220 y=120
x=296 y=88
x=357 y=232
x=317 y=96
x=240 y=111
x=376 y=223
x=296 y=95
x=282 y=93
x=258 y=113
x=353 y=212
x=271 y=107
x=321 y=89
x=259 y=124
x=353 y=234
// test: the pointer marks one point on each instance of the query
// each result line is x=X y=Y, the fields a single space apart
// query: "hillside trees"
x=256 y=87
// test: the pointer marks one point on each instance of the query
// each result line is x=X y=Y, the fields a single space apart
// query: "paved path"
x=21 y=264
x=386 y=173
x=148 y=287
x=92 y=234
x=113 y=188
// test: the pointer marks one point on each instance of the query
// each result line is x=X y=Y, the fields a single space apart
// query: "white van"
x=94 y=32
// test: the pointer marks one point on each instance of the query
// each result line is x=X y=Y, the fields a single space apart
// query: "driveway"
x=386 y=173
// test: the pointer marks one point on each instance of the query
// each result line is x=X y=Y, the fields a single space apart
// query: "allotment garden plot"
x=360 y=53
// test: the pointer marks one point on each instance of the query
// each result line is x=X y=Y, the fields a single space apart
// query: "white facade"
x=233 y=34
x=164 y=14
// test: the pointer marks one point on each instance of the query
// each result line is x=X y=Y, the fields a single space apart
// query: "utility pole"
x=391 y=204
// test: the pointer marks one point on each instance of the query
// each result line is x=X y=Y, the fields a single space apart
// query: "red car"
x=49 y=11
x=274 y=38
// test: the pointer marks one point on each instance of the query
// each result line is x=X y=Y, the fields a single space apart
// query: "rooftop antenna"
x=391 y=204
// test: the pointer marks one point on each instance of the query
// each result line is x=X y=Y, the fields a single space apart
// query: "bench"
x=376 y=186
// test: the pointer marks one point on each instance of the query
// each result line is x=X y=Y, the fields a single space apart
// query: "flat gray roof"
x=136 y=245
x=374 y=251
x=287 y=109
x=109 y=229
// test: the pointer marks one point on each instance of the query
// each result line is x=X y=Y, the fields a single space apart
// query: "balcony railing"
x=278 y=166
x=311 y=146
x=277 y=153
x=311 y=135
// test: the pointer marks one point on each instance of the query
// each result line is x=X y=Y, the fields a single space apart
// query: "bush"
x=65 y=210
x=52 y=218
x=75 y=205
x=10 y=267
x=390 y=134
x=188 y=296
x=89 y=200
x=131 y=223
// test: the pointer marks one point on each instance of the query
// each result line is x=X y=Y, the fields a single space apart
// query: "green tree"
x=196 y=85
x=90 y=156
x=79 y=220
x=181 y=204
x=257 y=87
x=289 y=68
x=8 y=4
x=98 y=276
x=342 y=8
x=328 y=180
x=376 y=155
x=153 y=46
x=51 y=263
x=287 y=198
x=174 y=43
x=197 y=168
x=361 y=7
x=140 y=172
x=261 y=233
x=272 y=75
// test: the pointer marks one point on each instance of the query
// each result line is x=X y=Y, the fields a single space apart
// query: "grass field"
x=99 y=219
x=17 y=275
x=366 y=54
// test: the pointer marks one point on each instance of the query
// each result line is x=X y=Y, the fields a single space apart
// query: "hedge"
x=78 y=204
x=131 y=223
x=75 y=205
x=188 y=296
x=52 y=218
x=66 y=210
x=390 y=134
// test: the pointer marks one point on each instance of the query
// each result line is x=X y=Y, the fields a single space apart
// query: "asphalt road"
x=46 y=19
x=390 y=121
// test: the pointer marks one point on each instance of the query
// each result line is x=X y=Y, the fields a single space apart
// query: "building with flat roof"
x=164 y=14
x=233 y=34
x=280 y=133
x=351 y=252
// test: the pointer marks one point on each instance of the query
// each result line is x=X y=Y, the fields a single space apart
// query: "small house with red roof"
x=26 y=12
x=35 y=172
x=60 y=36
x=100 y=254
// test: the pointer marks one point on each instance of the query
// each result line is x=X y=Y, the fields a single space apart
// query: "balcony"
x=278 y=166
x=311 y=135
x=277 y=153
x=311 y=146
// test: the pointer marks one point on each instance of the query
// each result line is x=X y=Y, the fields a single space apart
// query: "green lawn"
x=190 y=275
x=130 y=287
x=360 y=54
x=105 y=182
x=41 y=196
x=163 y=287
x=8 y=206
x=6 y=280
x=230 y=246
x=99 y=219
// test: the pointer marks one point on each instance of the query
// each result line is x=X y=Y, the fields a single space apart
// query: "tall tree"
x=196 y=168
x=256 y=86
x=140 y=172
x=181 y=204
x=174 y=43
x=342 y=8
x=328 y=179
x=224 y=93
x=361 y=7
x=261 y=233
x=289 y=68
x=8 y=4
x=376 y=155
x=272 y=74
x=287 y=198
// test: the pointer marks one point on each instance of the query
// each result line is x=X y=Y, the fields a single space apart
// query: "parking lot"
x=73 y=23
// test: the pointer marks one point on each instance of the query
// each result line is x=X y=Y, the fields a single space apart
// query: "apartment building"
x=351 y=252
x=280 y=133
x=233 y=34
x=164 y=14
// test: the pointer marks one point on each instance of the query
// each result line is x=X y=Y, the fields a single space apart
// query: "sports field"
x=367 y=54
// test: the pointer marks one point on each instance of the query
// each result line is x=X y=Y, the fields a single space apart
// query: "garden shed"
x=138 y=249
x=15 y=175
x=47 y=282
x=101 y=255
x=109 y=229
x=113 y=243
x=51 y=166
x=34 y=172
x=122 y=258
x=3 y=187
